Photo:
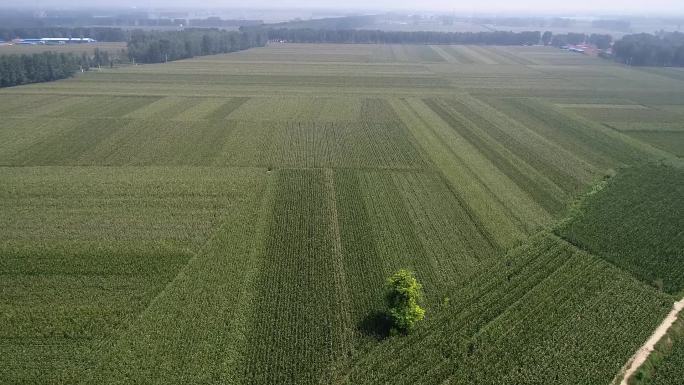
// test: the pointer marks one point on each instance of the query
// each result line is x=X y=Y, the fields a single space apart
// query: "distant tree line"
x=163 y=46
x=664 y=50
x=47 y=66
x=329 y=23
x=309 y=35
x=101 y=58
x=100 y=33
x=38 y=67
x=143 y=47
x=217 y=22
x=118 y=18
x=601 y=41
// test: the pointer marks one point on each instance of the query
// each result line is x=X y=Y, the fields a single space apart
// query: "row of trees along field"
x=47 y=66
x=163 y=46
x=601 y=41
x=143 y=47
x=324 y=35
x=308 y=35
x=38 y=67
x=664 y=50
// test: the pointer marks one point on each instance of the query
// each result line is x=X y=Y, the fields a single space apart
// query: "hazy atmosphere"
x=489 y=6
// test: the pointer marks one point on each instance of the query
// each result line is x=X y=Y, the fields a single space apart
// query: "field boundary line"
x=467 y=166
x=340 y=276
x=641 y=355
x=239 y=322
x=476 y=55
x=547 y=278
x=483 y=139
x=545 y=141
x=444 y=54
x=105 y=348
x=470 y=212
x=630 y=142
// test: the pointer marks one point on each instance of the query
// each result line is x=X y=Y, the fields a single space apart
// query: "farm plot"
x=416 y=53
x=116 y=142
x=353 y=228
x=492 y=142
x=232 y=218
x=635 y=222
x=594 y=144
x=659 y=126
x=85 y=250
x=493 y=330
x=307 y=329
x=203 y=310
x=670 y=141
x=350 y=53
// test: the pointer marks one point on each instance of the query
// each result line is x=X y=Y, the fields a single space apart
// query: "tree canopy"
x=39 y=67
x=665 y=50
x=311 y=35
x=162 y=46
x=403 y=294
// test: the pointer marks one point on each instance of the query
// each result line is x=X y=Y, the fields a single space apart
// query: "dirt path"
x=642 y=354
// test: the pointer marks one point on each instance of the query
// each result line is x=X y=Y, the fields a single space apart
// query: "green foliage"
x=311 y=35
x=40 y=67
x=51 y=63
x=644 y=49
x=160 y=47
x=403 y=295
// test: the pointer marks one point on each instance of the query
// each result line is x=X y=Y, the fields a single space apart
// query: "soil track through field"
x=642 y=354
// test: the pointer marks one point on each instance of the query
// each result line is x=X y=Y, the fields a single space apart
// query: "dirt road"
x=642 y=354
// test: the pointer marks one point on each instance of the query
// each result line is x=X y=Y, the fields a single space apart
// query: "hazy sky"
x=519 y=6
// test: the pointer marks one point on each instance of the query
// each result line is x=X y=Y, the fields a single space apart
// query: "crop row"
x=43 y=141
x=538 y=315
x=589 y=143
x=297 y=325
x=195 y=330
x=635 y=222
x=333 y=238
x=502 y=151
x=84 y=251
x=503 y=211
x=670 y=141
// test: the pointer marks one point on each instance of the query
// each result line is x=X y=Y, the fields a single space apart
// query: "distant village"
x=583 y=48
x=588 y=49
x=50 y=41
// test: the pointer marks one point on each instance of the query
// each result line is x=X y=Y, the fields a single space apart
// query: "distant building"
x=55 y=41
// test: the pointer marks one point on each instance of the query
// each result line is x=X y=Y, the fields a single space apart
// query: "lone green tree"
x=403 y=294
